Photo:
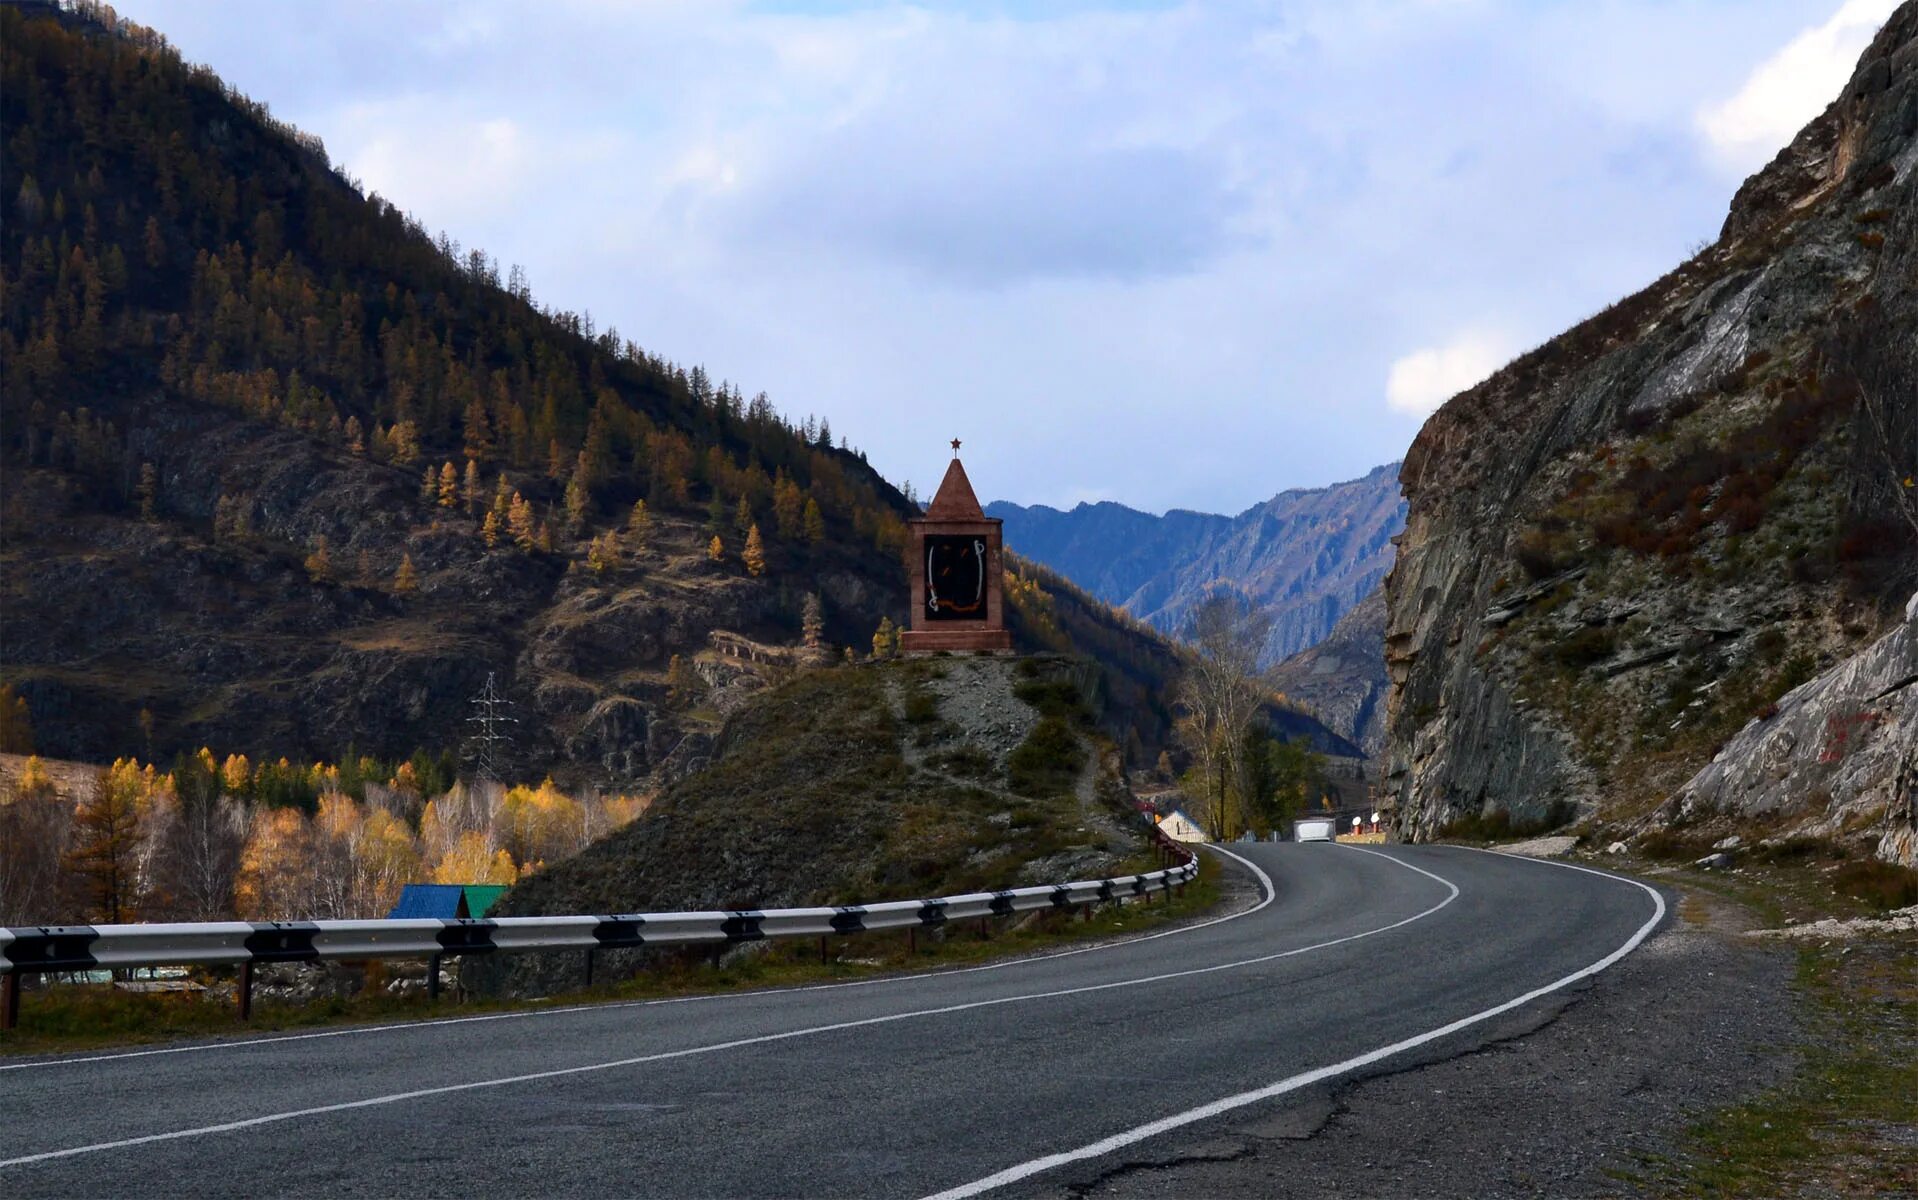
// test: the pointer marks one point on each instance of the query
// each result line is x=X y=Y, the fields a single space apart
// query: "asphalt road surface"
x=999 y=1081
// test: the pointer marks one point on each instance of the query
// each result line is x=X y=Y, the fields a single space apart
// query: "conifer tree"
x=429 y=486
x=489 y=529
x=576 y=502
x=885 y=639
x=544 y=539
x=449 y=486
x=742 y=517
x=789 y=508
x=812 y=621
x=149 y=492
x=471 y=490
x=639 y=528
x=319 y=564
x=815 y=523
x=599 y=554
x=403 y=441
x=105 y=849
x=478 y=432
x=521 y=521
x=716 y=549
x=406 y=581
x=754 y=555
x=355 y=436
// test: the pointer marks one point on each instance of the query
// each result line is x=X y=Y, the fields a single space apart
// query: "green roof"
x=481 y=896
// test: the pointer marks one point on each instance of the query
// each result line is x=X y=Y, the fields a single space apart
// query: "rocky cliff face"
x=1342 y=679
x=1308 y=555
x=1626 y=543
x=1835 y=756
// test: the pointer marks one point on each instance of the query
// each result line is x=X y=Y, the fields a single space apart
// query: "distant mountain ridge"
x=1308 y=554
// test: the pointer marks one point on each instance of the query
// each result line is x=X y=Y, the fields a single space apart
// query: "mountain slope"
x=1629 y=541
x=284 y=475
x=1309 y=555
x=1342 y=679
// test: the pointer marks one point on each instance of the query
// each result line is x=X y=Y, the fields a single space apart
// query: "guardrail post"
x=10 y=1000
x=590 y=951
x=822 y=949
x=243 y=991
x=433 y=978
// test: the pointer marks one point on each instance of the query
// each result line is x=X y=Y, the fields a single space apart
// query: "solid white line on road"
x=1265 y=881
x=1119 y=1141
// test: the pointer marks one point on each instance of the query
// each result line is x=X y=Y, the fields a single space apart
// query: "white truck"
x=1312 y=829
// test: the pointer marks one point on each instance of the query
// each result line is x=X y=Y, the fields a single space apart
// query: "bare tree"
x=1220 y=695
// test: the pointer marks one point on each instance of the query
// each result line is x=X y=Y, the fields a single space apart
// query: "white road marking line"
x=614 y=1005
x=1119 y=1141
x=561 y=1072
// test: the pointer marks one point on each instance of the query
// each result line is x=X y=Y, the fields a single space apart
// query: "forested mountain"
x=1659 y=527
x=1307 y=555
x=284 y=474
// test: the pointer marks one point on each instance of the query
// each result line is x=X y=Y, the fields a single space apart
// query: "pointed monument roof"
x=955 y=500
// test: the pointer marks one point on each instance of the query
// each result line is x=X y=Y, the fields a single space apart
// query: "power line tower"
x=493 y=714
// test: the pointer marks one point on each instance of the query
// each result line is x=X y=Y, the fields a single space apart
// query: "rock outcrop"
x=1838 y=754
x=1342 y=679
x=1627 y=542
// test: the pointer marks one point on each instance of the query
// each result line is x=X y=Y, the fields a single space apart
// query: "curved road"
x=999 y=1080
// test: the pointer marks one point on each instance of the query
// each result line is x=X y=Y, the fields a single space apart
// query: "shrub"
x=922 y=707
x=1587 y=646
x=1885 y=886
x=1048 y=762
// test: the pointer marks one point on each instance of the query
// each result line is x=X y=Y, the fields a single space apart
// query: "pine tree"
x=489 y=529
x=754 y=555
x=105 y=849
x=406 y=581
x=885 y=639
x=319 y=564
x=544 y=538
x=742 y=518
x=639 y=528
x=449 y=487
x=812 y=621
x=599 y=553
x=576 y=503
x=471 y=490
x=520 y=520
x=403 y=443
x=789 y=508
x=479 y=432
x=148 y=492
x=355 y=436
x=429 y=486
x=815 y=523
x=716 y=549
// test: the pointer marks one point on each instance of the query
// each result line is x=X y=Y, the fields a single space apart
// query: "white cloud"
x=1791 y=87
x=1424 y=379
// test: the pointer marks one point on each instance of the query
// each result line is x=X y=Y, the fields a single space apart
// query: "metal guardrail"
x=50 y=949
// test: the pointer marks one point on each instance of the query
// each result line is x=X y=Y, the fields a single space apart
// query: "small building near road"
x=445 y=901
x=1181 y=828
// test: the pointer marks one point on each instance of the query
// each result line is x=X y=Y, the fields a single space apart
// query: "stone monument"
x=957 y=572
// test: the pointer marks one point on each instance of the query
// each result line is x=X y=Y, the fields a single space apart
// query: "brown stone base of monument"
x=956 y=641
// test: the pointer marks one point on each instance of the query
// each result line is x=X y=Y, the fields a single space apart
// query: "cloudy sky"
x=1177 y=255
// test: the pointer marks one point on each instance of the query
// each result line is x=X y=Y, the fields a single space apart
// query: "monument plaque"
x=957 y=573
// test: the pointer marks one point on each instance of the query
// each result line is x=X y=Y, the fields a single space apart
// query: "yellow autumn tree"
x=716 y=549
x=236 y=775
x=639 y=528
x=540 y=824
x=473 y=860
x=406 y=580
x=449 y=489
x=754 y=556
x=489 y=529
x=276 y=866
x=520 y=519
